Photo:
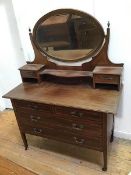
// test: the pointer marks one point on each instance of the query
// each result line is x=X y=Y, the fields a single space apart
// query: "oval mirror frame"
x=98 y=37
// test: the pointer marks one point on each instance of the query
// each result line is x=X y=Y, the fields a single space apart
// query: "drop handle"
x=34 y=118
x=33 y=107
x=77 y=126
x=37 y=131
x=77 y=114
x=74 y=113
x=78 y=140
x=80 y=114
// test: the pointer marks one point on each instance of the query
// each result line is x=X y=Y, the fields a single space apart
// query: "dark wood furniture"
x=31 y=72
x=107 y=75
x=71 y=114
x=62 y=104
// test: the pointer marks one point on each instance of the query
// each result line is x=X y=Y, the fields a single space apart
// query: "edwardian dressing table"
x=72 y=104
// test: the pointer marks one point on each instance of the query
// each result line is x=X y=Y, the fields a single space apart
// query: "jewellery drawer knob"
x=77 y=126
x=37 y=131
x=78 y=140
x=34 y=118
x=107 y=78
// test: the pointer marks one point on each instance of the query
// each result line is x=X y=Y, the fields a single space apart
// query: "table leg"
x=112 y=134
x=24 y=140
x=105 y=160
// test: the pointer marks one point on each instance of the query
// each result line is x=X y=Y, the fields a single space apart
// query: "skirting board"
x=123 y=135
x=1 y=108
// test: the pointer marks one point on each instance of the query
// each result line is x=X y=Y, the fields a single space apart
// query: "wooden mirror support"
x=86 y=69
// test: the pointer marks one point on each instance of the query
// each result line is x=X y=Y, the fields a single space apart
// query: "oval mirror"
x=68 y=35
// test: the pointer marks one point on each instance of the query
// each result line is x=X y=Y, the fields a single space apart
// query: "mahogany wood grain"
x=107 y=75
x=66 y=73
x=73 y=114
x=76 y=96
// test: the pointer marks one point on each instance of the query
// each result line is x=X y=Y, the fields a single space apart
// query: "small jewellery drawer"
x=64 y=136
x=28 y=74
x=26 y=105
x=103 y=78
x=45 y=119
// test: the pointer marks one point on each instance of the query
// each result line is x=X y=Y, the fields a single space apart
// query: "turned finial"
x=29 y=30
x=108 y=24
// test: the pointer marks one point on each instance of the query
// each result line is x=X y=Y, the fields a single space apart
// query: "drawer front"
x=79 y=114
x=28 y=106
x=109 y=79
x=64 y=136
x=46 y=119
x=62 y=112
x=82 y=122
x=28 y=74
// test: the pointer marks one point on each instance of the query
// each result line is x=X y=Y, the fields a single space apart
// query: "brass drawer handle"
x=34 y=107
x=107 y=78
x=79 y=141
x=77 y=127
x=80 y=114
x=77 y=114
x=37 y=131
x=34 y=118
x=73 y=113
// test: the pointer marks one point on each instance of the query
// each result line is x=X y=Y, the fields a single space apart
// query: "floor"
x=46 y=157
x=8 y=167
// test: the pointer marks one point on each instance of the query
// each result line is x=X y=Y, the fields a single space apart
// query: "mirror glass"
x=68 y=35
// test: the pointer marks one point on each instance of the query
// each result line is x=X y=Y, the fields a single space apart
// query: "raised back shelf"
x=66 y=73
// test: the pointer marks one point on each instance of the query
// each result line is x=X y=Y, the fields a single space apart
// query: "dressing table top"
x=77 y=96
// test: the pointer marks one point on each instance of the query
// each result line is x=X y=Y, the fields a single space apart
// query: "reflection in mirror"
x=69 y=37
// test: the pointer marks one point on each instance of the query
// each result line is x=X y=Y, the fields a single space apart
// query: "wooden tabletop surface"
x=77 y=96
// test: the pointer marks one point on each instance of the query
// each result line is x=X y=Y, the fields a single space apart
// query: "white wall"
x=11 y=56
x=117 y=12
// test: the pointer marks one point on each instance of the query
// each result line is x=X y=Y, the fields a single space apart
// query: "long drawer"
x=63 y=112
x=64 y=136
x=45 y=119
x=25 y=105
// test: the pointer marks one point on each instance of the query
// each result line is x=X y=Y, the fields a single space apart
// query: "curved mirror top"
x=68 y=35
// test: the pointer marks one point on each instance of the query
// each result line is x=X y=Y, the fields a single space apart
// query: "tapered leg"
x=24 y=140
x=105 y=142
x=105 y=160
x=112 y=134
